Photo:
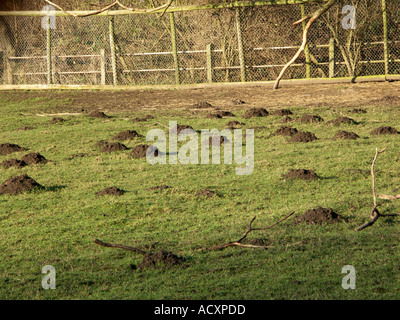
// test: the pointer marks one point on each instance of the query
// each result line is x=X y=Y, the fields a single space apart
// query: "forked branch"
x=311 y=19
x=239 y=243
x=375 y=214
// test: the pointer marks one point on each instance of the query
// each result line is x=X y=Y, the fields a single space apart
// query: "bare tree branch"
x=120 y=246
x=312 y=18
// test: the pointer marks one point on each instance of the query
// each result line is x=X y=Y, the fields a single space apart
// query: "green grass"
x=57 y=226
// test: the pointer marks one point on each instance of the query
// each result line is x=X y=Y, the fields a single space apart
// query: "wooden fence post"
x=210 y=66
x=102 y=67
x=113 y=52
x=49 y=53
x=306 y=49
x=240 y=46
x=385 y=37
x=331 y=58
x=174 y=49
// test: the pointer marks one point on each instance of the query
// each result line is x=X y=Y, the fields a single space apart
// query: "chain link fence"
x=200 y=46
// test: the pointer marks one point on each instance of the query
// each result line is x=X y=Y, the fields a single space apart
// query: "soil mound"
x=159 y=259
x=206 y=193
x=213 y=116
x=57 y=120
x=141 y=150
x=7 y=148
x=180 y=127
x=142 y=119
x=255 y=112
x=201 y=105
x=302 y=136
x=357 y=110
x=384 y=130
x=346 y=135
x=111 y=146
x=225 y=114
x=319 y=216
x=309 y=118
x=161 y=187
x=112 y=191
x=282 y=112
x=127 y=135
x=286 y=131
x=98 y=114
x=19 y=184
x=237 y=101
x=234 y=123
x=34 y=158
x=287 y=120
x=13 y=163
x=341 y=120
x=303 y=174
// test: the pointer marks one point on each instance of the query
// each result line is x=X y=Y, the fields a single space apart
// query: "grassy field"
x=56 y=226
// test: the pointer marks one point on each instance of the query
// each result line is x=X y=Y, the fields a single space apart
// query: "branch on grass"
x=110 y=6
x=239 y=243
x=312 y=18
x=375 y=214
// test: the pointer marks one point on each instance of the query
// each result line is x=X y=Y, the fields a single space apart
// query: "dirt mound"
x=214 y=140
x=161 y=187
x=112 y=191
x=255 y=112
x=234 y=123
x=57 y=120
x=341 y=120
x=142 y=119
x=285 y=131
x=237 y=101
x=319 y=216
x=346 y=135
x=213 y=116
x=225 y=114
x=357 y=110
x=127 y=135
x=201 y=105
x=180 y=127
x=302 y=136
x=98 y=114
x=206 y=193
x=141 y=150
x=7 y=148
x=309 y=118
x=287 y=120
x=303 y=174
x=19 y=184
x=282 y=112
x=384 y=130
x=159 y=259
x=34 y=158
x=13 y=163
x=111 y=146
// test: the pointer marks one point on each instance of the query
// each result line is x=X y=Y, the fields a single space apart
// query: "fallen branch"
x=312 y=18
x=239 y=243
x=375 y=214
x=120 y=246
x=110 y=6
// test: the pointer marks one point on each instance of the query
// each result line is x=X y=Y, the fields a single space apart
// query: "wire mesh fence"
x=249 y=43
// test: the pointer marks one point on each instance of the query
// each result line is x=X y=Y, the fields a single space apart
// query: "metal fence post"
x=210 y=66
x=306 y=49
x=331 y=58
x=49 y=54
x=240 y=46
x=385 y=37
x=113 y=53
x=174 y=49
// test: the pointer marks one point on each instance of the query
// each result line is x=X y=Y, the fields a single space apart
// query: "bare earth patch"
x=303 y=174
x=19 y=184
x=319 y=216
